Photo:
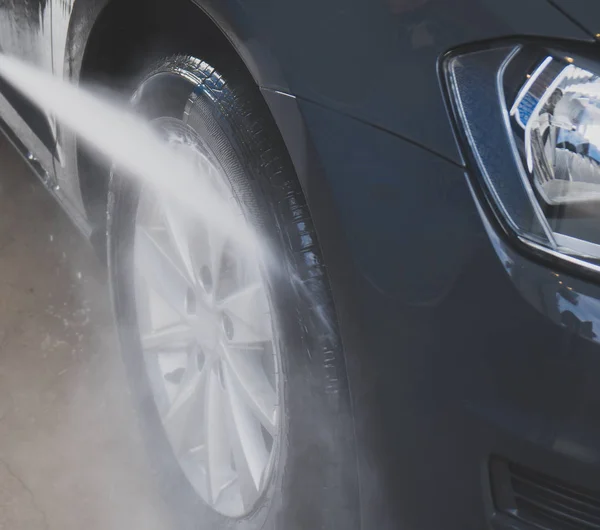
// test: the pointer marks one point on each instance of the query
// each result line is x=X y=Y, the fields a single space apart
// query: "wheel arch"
x=235 y=31
x=107 y=40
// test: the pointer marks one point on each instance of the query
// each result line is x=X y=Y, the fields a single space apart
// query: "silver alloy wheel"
x=209 y=345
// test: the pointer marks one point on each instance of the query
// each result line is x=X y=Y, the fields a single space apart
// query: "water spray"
x=134 y=146
x=129 y=142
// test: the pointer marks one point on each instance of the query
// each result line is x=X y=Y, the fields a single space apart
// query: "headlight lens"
x=559 y=112
x=543 y=168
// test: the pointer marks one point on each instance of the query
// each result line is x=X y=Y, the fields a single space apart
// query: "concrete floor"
x=70 y=453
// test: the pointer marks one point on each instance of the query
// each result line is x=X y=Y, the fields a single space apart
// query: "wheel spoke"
x=161 y=273
x=217 y=250
x=178 y=226
x=248 y=310
x=218 y=448
x=206 y=253
x=248 y=377
x=188 y=402
x=213 y=259
x=173 y=338
x=208 y=342
x=217 y=240
x=249 y=449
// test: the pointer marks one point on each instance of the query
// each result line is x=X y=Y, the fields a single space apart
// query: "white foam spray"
x=134 y=146
x=130 y=142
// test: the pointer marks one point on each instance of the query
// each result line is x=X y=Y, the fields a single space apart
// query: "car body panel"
x=395 y=38
x=25 y=32
x=377 y=61
x=350 y=41
x=585 y=12
x=65 y=22
x=458 y=347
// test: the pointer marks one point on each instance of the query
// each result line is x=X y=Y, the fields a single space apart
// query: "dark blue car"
x=420 y=352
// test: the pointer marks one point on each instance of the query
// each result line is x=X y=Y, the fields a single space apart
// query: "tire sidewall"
x=314 y=470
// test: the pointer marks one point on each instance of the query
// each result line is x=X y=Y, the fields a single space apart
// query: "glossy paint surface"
x=32 y=30
x=25 y=32
x=458 y=346
x=377 y=60
x=585 y=12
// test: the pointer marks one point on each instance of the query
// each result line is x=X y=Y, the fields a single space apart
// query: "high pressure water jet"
x=129 y=142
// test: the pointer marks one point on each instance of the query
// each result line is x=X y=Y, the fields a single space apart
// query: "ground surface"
x=70 y=453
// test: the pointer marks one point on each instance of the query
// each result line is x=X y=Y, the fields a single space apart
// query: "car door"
x=25 y=32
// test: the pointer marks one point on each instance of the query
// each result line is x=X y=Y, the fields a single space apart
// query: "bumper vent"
x=543 y=501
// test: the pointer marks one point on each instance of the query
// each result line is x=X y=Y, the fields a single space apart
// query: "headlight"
x=531 y=117
x=559 y=112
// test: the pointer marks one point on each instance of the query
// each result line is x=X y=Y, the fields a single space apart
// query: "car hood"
x=585 y=12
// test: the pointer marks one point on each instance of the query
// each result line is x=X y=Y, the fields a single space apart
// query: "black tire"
x=315 y=483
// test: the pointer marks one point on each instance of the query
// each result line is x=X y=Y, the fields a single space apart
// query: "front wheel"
x=234 y=359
